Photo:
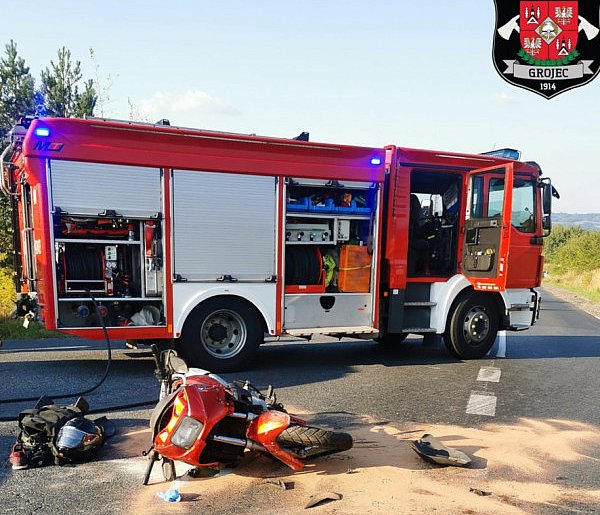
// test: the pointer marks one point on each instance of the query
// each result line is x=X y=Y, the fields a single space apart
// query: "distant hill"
x=588 y=221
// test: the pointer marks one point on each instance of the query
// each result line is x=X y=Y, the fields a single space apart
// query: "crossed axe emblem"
x=506 y=30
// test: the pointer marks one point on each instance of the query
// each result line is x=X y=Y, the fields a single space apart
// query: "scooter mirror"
x=178 y=365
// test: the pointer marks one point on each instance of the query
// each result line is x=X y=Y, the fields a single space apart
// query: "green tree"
x=580 y=252
x=6 y=244
x=16 y=88
x=60 y=88
x=558 y=238
x=16 y=99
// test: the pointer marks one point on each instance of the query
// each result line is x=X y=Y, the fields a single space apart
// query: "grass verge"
x=14 y=330
x=585 y=283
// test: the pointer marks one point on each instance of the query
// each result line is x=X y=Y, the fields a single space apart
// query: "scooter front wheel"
x=168 y=469
x=307 y=442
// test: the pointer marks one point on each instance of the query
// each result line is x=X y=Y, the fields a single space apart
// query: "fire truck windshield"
x=523 y=203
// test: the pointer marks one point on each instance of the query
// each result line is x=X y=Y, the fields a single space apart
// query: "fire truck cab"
x=472 y=261
x=210 y=240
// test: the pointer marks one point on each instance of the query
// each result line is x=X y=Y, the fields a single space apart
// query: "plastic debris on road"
x=279 y=483
x=431 y=449
x=477 y=491
x=169 y=496
x=318 y=499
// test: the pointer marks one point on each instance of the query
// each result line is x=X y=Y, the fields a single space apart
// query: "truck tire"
x=221 y=335
x=391 y=339
x=472 y=326
x=306 y=442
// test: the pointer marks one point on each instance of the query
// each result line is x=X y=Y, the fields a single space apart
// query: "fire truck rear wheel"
x=472 y=326
x=221 y=335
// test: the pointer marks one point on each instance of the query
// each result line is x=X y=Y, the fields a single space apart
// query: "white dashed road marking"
x=489 y=374
x=481 y=403
x=484 y=402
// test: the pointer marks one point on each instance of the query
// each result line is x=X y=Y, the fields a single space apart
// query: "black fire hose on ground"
x=89 y=390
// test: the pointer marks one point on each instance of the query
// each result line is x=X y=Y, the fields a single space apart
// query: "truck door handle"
x=227 y=279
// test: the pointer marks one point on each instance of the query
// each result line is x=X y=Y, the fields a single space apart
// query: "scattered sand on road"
x=522 y=465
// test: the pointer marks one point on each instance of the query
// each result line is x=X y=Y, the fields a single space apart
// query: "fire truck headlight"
x=187 y=432
x=42 y=132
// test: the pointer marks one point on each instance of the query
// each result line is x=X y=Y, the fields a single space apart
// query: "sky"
x=373 y=73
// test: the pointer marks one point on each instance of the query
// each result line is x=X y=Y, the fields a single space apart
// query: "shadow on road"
x=293 y=363
x=131 y=379
x=70 y=343
x=544 y=347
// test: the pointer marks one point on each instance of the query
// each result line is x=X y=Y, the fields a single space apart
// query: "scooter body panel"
x=202 y=398
x=186 y=423
x=266 y=428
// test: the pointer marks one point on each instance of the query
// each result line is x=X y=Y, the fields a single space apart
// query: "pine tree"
x=16 y=99
x=59 y=95
x=16 y=88
x=60 y=88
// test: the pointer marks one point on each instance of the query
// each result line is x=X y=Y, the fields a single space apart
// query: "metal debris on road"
x=318 y=499
x=279 y=483
x=477 y=491
x=432 y=450
x=198 y=472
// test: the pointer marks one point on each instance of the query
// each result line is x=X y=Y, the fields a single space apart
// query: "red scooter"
x=205 y=421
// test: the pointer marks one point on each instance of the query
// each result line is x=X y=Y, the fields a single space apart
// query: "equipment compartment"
x=355 y=269
x=328 y=310
x=116 y=260
x=339 y=220
x=330 y=230
x=330 y=197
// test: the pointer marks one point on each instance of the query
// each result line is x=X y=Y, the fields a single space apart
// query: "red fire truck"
x=210 y=240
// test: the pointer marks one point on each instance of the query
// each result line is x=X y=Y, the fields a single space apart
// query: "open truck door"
x=487 y=227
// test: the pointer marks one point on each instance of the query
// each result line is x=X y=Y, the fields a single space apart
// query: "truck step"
x=519 y=327
x=332 y=330
x=419 y=304
x=418 y=330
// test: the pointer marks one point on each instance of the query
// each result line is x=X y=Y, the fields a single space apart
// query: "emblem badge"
x=547 y=47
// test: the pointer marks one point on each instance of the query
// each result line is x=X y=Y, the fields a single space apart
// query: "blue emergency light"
x=506 y=153
x=42 y=132
x=376 y=161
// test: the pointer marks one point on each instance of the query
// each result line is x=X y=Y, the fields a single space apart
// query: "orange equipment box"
x=354 y=272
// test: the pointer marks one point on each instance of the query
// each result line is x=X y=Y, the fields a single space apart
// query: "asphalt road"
x=548 y=372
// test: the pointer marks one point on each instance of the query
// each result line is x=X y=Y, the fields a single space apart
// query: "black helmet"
x=79 y=440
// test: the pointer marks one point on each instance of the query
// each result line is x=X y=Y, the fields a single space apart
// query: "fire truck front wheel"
x=221 y=335
x=472 y=326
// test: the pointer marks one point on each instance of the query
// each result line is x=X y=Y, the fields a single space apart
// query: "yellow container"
x=354 y=271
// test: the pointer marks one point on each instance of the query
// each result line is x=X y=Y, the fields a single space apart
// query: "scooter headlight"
x=186 y=433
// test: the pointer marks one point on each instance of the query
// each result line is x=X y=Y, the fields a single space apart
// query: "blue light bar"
x=376 y=161
x=42 y=132
x=506 y=153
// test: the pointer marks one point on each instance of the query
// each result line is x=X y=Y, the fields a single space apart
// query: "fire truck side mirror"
x=548 y=191
x=547 y=224
x=547 y=198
